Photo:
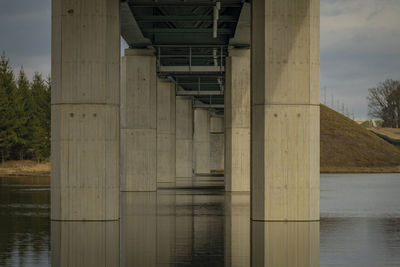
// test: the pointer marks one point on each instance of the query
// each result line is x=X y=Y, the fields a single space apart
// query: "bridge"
x=190 y=40
x=203 y=82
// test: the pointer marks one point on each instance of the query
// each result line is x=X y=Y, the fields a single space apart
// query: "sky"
x=360 y=45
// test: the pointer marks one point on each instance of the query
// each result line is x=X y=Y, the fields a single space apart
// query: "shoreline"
x=26 y=168
x=365 y=170
x=18 y=168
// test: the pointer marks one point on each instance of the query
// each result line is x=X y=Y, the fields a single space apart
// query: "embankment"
x=347 y=147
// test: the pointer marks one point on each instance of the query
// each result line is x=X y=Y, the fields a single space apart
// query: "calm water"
x=360 y=226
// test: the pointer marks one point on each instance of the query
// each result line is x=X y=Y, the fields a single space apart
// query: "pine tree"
x=41 y=118
x=8 y=136
x=23 y=122
x=47 y=118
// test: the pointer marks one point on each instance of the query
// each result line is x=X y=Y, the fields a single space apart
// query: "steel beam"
x=191 y=69
x=183 y=18
x=193 y=56
x=202 y=105
x=242 y=32
x=237 y=4
x=192 y=46
x=197 y=93
x=130 y=30
x=223 y=31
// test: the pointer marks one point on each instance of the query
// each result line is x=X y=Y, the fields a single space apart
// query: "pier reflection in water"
x=184 y=228
x=285 y=244
x=360 y=226
x=85 y=243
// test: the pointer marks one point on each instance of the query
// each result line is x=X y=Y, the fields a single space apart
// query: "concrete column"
x=165 y=132
x=217 y=144
x=237 y=121
x=138 y=121
x=285 y=110
x=184 y=140
x=85 y=110
x=82 y=244
x=285 y=244
x=201 y=141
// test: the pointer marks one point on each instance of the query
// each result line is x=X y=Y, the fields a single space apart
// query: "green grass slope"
x=349 y=147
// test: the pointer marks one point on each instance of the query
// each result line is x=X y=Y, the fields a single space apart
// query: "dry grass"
x=24 y=167
x=349 y=147
x=336 y=169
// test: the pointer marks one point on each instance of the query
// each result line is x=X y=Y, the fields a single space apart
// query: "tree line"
x=384 y=103
x=24 y=114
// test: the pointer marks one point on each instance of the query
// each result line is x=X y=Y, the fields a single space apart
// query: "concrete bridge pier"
x=217 y=144
x=104 y=140
x=201 y=141
x=138 y=121
x=165 y=133
x=237 y=120
x=285 y=110
x=184 y=141
x=85 y=110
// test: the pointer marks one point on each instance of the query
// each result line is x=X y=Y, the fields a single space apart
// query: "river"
x=360 y=226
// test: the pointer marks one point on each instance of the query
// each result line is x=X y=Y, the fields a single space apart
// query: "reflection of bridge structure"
x=189 y=228
x=153 y=117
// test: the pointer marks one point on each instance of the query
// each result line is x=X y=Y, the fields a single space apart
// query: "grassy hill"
x=349 y=147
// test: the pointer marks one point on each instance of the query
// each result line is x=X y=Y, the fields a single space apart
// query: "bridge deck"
x=190 y=39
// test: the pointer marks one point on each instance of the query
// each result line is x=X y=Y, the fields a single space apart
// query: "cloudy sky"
x=360 y=44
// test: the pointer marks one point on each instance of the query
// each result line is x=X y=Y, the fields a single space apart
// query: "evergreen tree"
x=41 y=118
x=8 y=136
x=24 y=115
x=23 y=122
x=47 y=118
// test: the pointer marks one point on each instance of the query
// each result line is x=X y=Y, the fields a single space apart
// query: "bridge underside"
x=190 y=40
x=194 y=94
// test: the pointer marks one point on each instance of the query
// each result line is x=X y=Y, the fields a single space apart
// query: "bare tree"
x=384 y=103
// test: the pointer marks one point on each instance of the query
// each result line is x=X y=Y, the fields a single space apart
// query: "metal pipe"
x=217 y=7
x=215 y=57
x=159 y=57
x=190 y=59
x=199 y=84
x=221 y=61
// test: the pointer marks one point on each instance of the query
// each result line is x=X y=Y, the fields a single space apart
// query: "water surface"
x=360 y=226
